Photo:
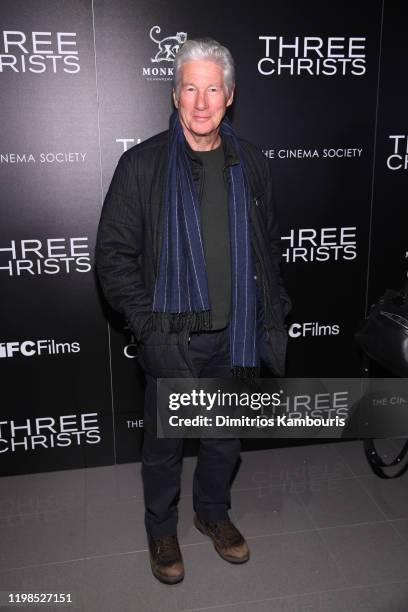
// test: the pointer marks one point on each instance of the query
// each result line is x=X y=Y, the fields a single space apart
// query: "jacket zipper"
x=184 y=351
x=261 y=270
x=202 y=178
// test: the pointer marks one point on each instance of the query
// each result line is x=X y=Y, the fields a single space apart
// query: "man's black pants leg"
x=161 y=471
x=162 y=457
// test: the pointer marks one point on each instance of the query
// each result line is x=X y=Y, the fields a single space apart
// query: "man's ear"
x=231 y=98
x=175 y=101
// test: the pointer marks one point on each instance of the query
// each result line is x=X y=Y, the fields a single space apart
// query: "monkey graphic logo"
x=168 y=46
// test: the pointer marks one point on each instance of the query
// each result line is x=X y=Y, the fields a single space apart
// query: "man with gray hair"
x=188 y=251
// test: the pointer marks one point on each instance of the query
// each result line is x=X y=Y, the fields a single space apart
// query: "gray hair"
x=205 y=49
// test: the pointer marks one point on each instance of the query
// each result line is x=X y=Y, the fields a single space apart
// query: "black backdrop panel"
x=54 y=341
x=318 y=130
x=389 y=242
x=81 y=82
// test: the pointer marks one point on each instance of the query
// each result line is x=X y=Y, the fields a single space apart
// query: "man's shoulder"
x=252 y=150
x=149 y=148
x=258 y=165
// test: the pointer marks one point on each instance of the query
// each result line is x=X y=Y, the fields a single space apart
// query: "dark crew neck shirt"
x=216 y=235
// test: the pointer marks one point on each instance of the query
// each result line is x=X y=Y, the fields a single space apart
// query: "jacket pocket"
x=277 y=340
x=278 y=315
x=162 y=356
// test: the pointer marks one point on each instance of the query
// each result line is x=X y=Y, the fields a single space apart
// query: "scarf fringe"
x=245 y=373
x=174 y=323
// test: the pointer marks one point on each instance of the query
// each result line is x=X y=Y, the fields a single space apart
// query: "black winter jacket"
x=128 y=249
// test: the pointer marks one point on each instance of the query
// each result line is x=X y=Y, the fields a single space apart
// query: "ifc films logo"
x=37 y=348
x=166 y=50
x=312 y=329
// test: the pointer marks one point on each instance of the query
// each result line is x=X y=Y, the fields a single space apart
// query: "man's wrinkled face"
x=202 y=98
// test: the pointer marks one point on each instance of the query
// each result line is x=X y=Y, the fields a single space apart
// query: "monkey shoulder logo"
x=39 y=52
x=167 y=48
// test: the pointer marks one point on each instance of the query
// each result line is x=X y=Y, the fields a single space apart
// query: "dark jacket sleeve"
x=119 y=245
x=274 y=235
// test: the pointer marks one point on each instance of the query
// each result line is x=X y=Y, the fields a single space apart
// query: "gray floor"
x=325 y=535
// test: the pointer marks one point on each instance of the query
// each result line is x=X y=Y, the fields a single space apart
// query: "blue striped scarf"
x=181 y=299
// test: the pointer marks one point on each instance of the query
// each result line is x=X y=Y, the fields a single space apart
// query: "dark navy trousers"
x=162 y=457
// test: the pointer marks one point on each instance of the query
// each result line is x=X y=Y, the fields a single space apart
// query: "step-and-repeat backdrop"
x=321 y=89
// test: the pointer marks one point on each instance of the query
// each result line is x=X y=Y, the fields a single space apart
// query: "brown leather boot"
x=228 y=541
x=165 y=559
